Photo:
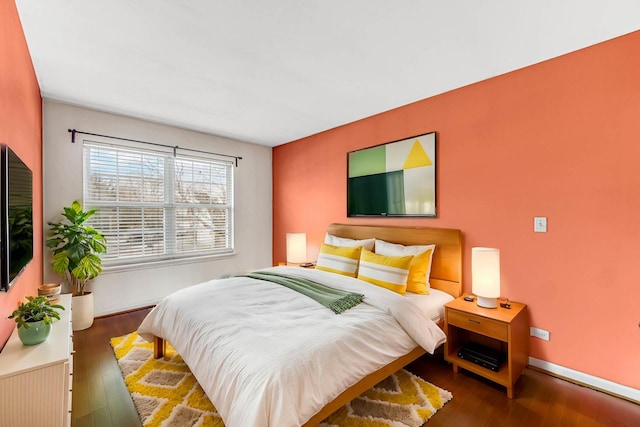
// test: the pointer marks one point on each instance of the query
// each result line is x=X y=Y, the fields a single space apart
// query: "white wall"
x=118 y=291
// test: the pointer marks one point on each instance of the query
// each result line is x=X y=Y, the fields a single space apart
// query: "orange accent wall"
x=559 y=139
x=21 y=129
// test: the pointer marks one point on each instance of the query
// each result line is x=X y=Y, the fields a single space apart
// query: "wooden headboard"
x=446 y=266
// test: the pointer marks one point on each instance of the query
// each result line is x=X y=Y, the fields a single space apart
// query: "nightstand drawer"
x=479 y=324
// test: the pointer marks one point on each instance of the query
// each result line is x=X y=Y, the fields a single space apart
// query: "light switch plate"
x=540 y=224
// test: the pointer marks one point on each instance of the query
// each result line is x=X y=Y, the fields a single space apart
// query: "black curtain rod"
x=174 y=147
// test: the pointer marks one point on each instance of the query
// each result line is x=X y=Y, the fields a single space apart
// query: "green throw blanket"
x=334 y=299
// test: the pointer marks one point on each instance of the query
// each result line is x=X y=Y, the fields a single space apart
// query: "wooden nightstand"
x=303 y=265
x=499 y=328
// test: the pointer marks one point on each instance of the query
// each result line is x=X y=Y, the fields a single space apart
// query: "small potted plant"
x=76 y=246
x=34 y=319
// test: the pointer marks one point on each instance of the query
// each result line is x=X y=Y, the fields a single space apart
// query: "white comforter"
x=269 y=356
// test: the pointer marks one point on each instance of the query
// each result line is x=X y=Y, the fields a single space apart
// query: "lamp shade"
x=485 y=276
x=296 y=248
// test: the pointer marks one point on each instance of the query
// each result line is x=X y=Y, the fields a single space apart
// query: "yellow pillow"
x=339 y=259
x=390 y=272
x=420 y=270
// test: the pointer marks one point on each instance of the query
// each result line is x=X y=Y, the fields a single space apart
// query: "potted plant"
x=34 y=319
x=76 y=246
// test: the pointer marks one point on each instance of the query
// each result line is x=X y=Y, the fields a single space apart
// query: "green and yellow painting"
x=398 y=178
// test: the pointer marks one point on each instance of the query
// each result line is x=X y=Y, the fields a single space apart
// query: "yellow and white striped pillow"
x=339 y=259
x=390 y=272
x=420 y=270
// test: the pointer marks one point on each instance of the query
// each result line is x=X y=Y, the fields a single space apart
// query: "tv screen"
x=16 y=217
x=393 y=179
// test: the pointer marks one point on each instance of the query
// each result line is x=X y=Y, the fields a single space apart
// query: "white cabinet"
x=35 y=381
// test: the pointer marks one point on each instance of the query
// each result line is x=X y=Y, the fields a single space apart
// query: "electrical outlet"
x=540 y=224
x=539 y=333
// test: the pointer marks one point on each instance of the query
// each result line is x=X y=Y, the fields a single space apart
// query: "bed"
x=282 y=360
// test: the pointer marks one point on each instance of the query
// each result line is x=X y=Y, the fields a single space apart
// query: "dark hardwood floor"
x=100 y=397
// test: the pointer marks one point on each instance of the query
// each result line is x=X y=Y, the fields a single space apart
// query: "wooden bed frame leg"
x=159 y=347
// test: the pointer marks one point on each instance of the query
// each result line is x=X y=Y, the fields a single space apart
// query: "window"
x=155 y=206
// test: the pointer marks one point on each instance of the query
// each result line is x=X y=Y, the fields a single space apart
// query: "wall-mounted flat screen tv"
x=393 y=179
x=16 y=217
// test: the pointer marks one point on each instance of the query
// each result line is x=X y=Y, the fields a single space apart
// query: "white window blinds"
x=154 y=206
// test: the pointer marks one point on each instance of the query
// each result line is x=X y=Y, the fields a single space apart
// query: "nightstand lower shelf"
x=501 y=376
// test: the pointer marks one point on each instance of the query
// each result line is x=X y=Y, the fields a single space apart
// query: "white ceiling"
x=273 y=71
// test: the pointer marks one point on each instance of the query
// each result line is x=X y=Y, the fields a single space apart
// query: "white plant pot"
x=82 y=311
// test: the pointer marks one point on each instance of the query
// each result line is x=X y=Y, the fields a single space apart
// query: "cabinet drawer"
x=479 y=324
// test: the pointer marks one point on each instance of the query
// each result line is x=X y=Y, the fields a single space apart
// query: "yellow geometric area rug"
x=165 y=393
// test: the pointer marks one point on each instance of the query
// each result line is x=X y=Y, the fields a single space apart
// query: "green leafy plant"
x=35 y=310
x=76 y=247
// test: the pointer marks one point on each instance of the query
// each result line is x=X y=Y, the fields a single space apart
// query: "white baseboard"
x=588 y=380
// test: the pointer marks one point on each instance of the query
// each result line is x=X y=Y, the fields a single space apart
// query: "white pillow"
x=343 y=241
x=420 y=269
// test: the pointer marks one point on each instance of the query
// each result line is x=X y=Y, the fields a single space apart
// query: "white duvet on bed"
x=269 y=356
x=432 y=304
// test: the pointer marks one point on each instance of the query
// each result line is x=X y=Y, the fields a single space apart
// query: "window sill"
x=163 y=263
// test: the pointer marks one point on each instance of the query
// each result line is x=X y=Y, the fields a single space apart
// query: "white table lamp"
x=485 y=276
x=296 y=248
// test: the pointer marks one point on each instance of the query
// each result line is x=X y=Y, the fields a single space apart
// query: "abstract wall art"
x=393 y=179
